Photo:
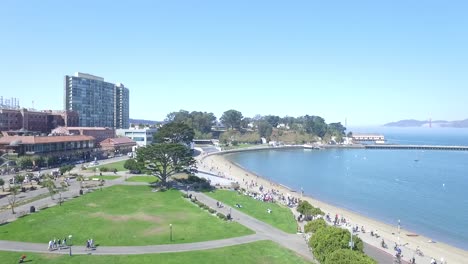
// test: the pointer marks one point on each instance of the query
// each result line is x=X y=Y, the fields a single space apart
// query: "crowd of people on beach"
x=259 y=192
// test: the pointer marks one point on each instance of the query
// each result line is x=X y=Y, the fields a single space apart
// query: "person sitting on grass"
x=238 y=205
x=269 y=210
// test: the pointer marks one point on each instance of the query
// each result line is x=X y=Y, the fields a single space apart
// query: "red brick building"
x=99 y=133
x=121 y=145
x=53 y=145
x=44 y=122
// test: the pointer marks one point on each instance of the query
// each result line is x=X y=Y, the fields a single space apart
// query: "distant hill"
x=425 y=123
x=460 y=124
x=406 y=123
x=146 y=122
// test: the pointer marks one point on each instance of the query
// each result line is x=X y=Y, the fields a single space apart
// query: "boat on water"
x=309 y=146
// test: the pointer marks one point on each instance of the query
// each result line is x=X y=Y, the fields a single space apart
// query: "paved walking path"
x=293 y=242
x=263 y=231
x=130 y=250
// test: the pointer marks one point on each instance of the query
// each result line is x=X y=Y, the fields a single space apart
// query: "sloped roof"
x=118 y=141
x=43 y=139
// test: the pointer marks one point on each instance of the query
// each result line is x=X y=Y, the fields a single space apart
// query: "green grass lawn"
x=256 y=252
x=104 y=177
x=123 y=215
x=281 y=216
x=119 y=165
x=148 y=179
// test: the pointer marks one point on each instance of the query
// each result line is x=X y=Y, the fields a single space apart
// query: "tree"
x=264 y=129
x=245 y=122
x=326 y=240
x=232 y=118
x=66 y=168
x=166 y=159
x=315 y=125
x=2 y=183
x=174 y=132
x=24 y=162
x=183 y=116
x=336 y=130
x=272 y=120
x=350 y=134
x=347 y=256
x=38 y=161
x=14 y=190
x=50 y=185
x=132 y=166
x=314 y=225
x=202 y=121
x=18 y=178
x=199 y=121
x=305 y=208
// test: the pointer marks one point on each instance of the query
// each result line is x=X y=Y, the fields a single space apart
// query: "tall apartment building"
x=98 y=103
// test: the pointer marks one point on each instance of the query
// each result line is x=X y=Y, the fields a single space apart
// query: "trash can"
x=81 y=192
x=32 y=209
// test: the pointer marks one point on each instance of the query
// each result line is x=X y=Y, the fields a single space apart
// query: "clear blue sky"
x=370 y=61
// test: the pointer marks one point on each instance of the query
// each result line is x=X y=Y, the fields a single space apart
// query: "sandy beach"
x=218 y=164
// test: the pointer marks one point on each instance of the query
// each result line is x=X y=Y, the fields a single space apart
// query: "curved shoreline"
x=240 y=174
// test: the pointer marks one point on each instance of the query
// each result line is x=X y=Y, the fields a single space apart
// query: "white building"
x=142 y=137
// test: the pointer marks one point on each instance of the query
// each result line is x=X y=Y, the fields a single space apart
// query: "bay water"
x=426 y=189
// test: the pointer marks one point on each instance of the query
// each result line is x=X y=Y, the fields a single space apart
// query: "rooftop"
x=43 y=139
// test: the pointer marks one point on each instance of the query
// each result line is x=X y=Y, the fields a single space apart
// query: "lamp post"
x=170 y=227
x=70 y=247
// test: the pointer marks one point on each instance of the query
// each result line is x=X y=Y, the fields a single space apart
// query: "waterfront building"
x=98 y=103
x=116 y=146
x=78 y=145
x=368 y=137
x=142 y=136
x=99 y=133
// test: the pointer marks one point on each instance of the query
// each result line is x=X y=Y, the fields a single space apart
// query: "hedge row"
x=330 y=245
x=305 y=208
x=204 y=206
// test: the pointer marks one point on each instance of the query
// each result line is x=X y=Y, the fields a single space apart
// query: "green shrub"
x=212 y=211
x=314 y=226
x=104 y=169
x=347 y=256
x=132 y=166
x=305 y=208
x=329 y=239
x=66 y=168
x=221 y=216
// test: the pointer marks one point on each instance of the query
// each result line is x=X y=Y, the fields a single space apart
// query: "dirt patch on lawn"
x=123 y=218
x=154 y=231
x=92 y=205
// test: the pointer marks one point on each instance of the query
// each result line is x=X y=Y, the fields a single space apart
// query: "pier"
x=421 y=147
